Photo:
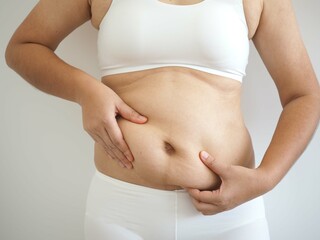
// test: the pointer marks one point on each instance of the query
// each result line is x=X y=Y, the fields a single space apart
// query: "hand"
x=101 y=107
x=238 y=185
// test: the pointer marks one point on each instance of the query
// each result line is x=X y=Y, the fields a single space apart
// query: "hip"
x=121 y=210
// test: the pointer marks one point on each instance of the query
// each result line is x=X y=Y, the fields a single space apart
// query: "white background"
x=46 y=158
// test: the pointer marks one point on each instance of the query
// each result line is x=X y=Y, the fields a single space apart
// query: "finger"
x=216 y=166
x=205 y=208
x=210 y=197
x=194 y=193
x=106 y=148
x=119 y=156
x=130 y=114
x=118 y=141
x=100 y=141
x=104 y=145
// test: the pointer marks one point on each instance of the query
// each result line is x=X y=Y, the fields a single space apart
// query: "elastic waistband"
x=136 y=187
x=252 y=209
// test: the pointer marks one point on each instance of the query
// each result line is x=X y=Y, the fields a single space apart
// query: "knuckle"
x=219 y=202
x=117 y=142
x=107 y=150
x=118 y=155
x=105 y=120
x=112 y=147
x=105 y=146
x=94 y=128
x=224 y=205
x=111 y=155
x=126 y=151
x=195 y=194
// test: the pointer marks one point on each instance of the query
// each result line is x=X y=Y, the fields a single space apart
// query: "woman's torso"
x=188 y=111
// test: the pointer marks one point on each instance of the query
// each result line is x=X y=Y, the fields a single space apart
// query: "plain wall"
x=46 y=158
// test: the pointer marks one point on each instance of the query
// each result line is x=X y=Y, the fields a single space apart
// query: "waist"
x=186 y=115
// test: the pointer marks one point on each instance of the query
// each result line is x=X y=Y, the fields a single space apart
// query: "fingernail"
x=204 y=155
x=130 y=159
x=142 y=117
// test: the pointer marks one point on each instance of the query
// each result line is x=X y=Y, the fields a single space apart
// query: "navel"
x=169 y=149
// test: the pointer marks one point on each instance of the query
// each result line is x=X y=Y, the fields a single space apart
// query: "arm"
x=30 y=53
x=283 y=53
x=280 y=46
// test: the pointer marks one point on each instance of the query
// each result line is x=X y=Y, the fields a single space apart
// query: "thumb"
x=217 y=167
x=130 y=114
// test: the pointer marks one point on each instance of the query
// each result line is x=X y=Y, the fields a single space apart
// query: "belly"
x=186 y=114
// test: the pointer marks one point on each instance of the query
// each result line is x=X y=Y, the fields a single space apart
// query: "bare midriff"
x=188 y=111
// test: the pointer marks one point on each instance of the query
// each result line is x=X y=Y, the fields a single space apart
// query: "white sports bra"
x=210 y=36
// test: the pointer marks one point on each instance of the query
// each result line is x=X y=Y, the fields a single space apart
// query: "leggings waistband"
x=118 y=210
x=136 y=187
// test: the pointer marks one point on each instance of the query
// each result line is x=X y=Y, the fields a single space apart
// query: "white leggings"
x=118 y=210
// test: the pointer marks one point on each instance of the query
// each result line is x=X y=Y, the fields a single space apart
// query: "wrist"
x=266 y=179
x=87 y=87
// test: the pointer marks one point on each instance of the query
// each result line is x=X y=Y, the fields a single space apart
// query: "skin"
x=291 y=71
x=299 y=94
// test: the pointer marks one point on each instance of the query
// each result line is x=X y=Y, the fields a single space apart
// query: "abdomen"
x=185 y=116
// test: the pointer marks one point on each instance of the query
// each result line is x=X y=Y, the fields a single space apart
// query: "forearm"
x=294 y=130
x=39 y=66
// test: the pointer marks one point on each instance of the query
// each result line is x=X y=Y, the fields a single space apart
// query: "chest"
x=252 y=10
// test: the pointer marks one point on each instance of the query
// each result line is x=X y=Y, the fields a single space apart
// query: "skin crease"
x=238 y=181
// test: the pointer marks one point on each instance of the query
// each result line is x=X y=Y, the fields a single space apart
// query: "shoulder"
x=277 y=9
x=51 y=21
x=280 y=45
x=99 y=9
x=277 y=21
x=252 y=10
